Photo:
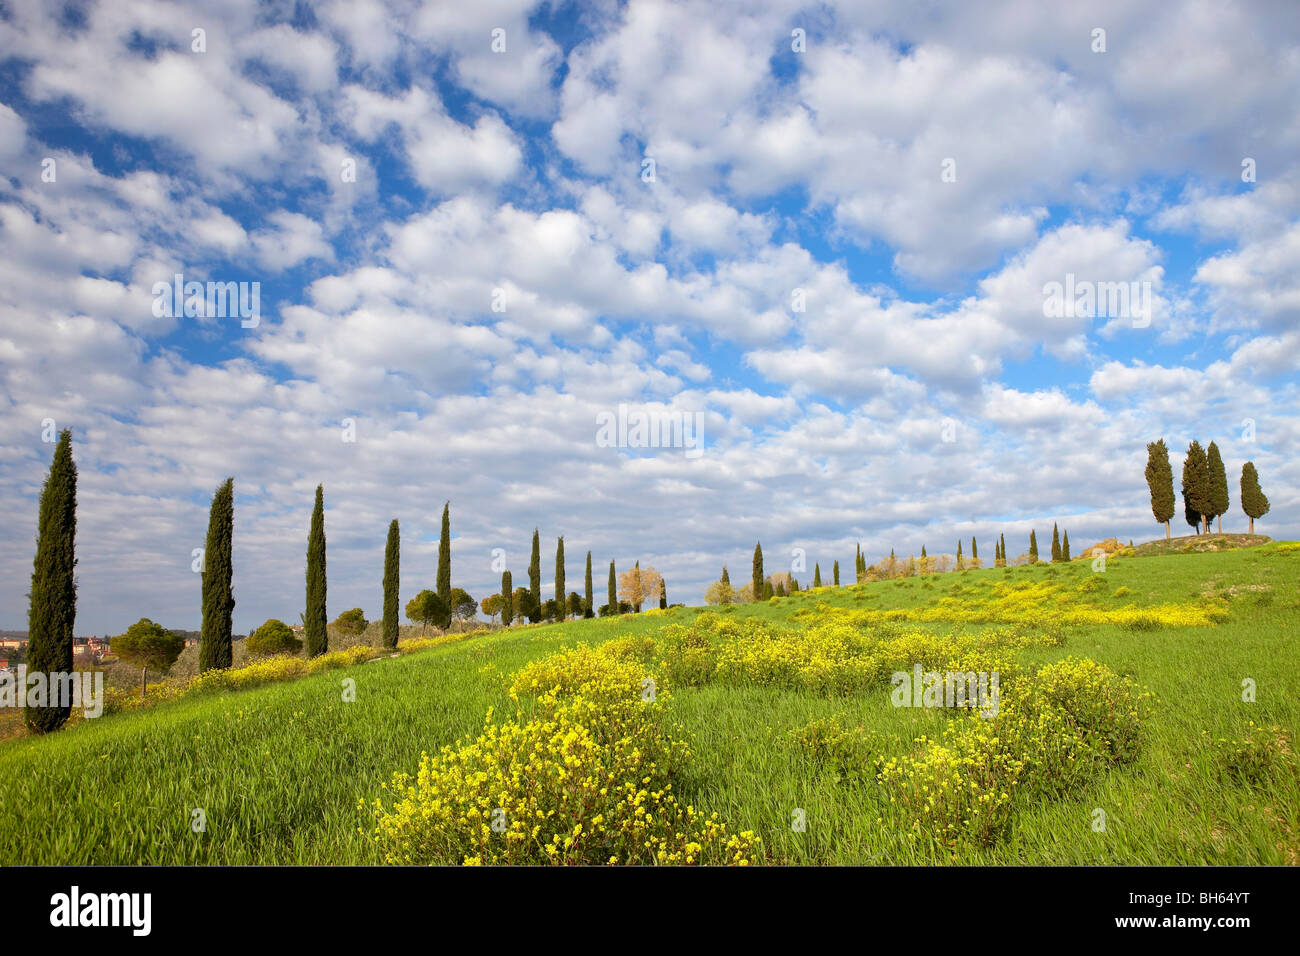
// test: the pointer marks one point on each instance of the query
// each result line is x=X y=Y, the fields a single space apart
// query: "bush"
x=586 y=779
x=351 y=622
x=272 y=638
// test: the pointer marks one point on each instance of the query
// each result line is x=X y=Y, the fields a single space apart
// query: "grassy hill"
x=282 y=772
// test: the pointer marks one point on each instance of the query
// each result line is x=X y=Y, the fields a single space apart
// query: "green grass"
x=279 y=770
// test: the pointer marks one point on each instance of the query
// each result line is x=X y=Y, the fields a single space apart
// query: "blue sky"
x=915 y=179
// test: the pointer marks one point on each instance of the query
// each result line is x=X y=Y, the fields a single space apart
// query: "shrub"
x=586 y=779
x=1252 y=757
x=273 y=637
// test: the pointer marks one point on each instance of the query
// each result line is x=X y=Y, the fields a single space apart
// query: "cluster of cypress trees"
x=1204 y=487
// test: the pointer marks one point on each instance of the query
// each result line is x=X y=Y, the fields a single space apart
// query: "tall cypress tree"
x=1196 y=488
x=1003 y=539
x=974 y=549
x=758 y=572
x=218 y=599
x=835 y=573
x=1065 y=546
x=535 y=576
x=444 y=561
x=961 y=562
x=561 y=595
x=1033 y=547
x=52 y=611
x=507 y=598
x=392 y=583
x=613 y=590
x=817 y=575
x=1160 y=482
x=1056 y=543
x=663 y=594
x=1218 y=484
x=1253 y=501
x=315 y=619
x=587 y=609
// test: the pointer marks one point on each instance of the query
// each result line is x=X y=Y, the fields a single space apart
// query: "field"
x=289 y=773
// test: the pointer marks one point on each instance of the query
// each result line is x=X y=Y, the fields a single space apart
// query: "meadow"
x=776 y=717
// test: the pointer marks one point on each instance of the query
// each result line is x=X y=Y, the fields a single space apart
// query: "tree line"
x=1204 y=487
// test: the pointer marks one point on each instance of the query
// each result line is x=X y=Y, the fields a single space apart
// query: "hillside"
x=289 y=773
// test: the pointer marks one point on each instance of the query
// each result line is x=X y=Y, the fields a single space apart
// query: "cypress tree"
x=1160 y=482
x=315 y=619
x=1196 y=487
x=218 y=599
x=961 y=563
x=974 y=549
x=663 y=594
x=507 y=598
x=1003 y=539
x=817 y=575
x=1218 y=484
x=560 y=592
x=636 y=605
x=392 y=583
x=758 y=572
x=535 y=573
x=1056 y=543
x=1253 y=501
x=53 y=607
x=613 y=590
x=444 y=559
x=1033 y=548
x=923 y=554
x=835 y=572
x=587 y=609
x=1065 y=546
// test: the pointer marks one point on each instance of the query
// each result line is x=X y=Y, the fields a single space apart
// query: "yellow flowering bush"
x=850 y=753
x=1251 y=757
x=586 y=779
x=1052 y=731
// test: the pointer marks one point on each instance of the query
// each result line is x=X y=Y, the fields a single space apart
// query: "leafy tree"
x=492 y=606
x=768 y=592
x=507 y=598
x=613 y=590
x=1253 y=501
x=559 y=575
x=1160 y=482
x=1065 y=546
x=145 y=645
x=575 y=604
x=218 y=598
x=551 y=609
x=463 y=605
x=427 y=608
x=779 y=591
x=588 y=599
x=639 y=585
x=1218 y=484
x=817 y=574
x=835 y=573
x=523 y=601
x=444 y=559
x=53 y=607
x=1197 y=501
x=535 y=579
x=392 y=583
x=315 y=618
x=758 y=570
x=1056 y=543
x=719 y=592
x=1033 y=548
x=352 y=621
x=273 y=637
